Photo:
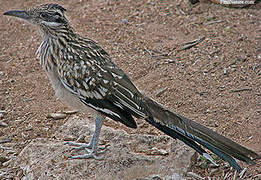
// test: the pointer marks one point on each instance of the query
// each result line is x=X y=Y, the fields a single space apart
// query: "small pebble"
x=156 y=151
x=225 y=71
x=70 y=112
x=170 y=61
x=3 y=124
x=56 y=116
x=69 y=138
x=124 y=21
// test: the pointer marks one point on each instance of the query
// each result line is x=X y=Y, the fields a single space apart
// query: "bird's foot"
x=91 y=151
x=87 y=147
x=91 y=154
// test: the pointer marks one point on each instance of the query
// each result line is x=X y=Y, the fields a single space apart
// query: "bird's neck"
x=55 y=42
x=55 y=33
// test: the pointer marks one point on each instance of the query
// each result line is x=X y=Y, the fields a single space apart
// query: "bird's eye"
x=44 y=15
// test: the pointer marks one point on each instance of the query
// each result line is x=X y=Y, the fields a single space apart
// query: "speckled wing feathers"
x=99 y=83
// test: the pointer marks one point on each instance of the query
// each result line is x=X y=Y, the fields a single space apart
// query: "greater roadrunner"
x=84 y=77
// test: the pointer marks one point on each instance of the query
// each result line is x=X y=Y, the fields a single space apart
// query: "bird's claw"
x=82 y=146
x=87 y=156
x=90 y=152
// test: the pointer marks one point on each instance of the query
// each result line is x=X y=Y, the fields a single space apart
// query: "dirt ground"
x=216 y=83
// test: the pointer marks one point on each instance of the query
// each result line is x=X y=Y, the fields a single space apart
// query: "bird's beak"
x=18 y=13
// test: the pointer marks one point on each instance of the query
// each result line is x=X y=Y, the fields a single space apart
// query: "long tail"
x=194 y=135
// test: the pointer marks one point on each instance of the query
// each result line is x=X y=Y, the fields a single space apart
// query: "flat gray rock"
x=129 y=156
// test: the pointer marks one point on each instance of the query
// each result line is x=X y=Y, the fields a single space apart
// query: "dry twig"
x=190 y=44
x=240 y=90
x=214 y=22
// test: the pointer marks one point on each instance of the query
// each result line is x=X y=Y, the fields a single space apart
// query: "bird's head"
x=46 y=16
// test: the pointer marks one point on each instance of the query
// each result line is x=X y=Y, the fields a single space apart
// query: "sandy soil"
x=217 y=82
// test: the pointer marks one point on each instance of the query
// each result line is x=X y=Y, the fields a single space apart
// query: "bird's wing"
x=100 y=84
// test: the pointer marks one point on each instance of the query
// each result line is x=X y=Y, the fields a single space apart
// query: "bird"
x=85 y=78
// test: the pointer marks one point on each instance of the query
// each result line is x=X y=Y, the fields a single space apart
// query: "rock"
x=125 y=157
x=70 y=112
x=56 y=116
x=3 y=124
x=156 y=151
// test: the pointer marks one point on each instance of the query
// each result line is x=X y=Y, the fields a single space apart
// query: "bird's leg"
x=93 y=144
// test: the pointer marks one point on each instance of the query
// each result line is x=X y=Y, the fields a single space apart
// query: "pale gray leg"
x=93 y=144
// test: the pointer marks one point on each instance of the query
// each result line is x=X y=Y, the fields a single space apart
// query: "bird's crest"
x=48 y=7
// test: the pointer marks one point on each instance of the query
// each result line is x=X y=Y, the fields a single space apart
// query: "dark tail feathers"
x=194 y=135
